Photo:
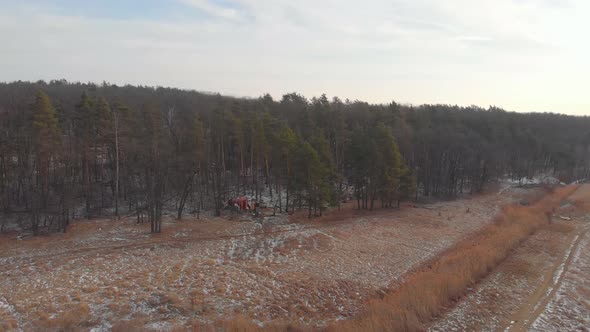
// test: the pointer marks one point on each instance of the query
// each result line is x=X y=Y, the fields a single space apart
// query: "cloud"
x=515 y=53
x=213 y=9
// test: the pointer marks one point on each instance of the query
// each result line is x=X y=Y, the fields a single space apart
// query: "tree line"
x=83 y=150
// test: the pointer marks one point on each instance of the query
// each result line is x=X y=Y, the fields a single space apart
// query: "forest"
x=80 y=150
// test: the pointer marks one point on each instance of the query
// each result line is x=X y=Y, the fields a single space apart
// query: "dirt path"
x=530 y=310
x=526 y=284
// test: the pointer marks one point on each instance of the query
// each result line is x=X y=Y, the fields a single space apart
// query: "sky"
x=522 y=55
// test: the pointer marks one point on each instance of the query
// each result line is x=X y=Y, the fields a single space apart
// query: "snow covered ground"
x=569 y=309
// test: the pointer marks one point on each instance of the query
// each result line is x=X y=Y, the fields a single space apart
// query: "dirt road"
x=532 y=307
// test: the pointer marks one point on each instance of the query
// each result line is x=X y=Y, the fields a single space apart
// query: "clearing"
x=279 y=269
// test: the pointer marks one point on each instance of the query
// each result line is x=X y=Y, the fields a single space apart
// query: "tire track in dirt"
x=532 y=308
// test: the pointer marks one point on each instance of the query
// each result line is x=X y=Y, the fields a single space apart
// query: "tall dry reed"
x=426 y=292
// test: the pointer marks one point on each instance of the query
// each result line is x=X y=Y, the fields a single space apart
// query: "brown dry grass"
x=7 y=323
x=74 y=318
x=582 y=204
x=172 y=300
x=560 y=227
x=426 y=292
x=136 y=324
x=238 y=323
x=581 y=199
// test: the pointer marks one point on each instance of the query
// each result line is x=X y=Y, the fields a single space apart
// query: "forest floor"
x=281 y=268
x=542 y=286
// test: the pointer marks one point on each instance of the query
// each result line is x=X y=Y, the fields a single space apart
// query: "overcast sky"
x=523 y=55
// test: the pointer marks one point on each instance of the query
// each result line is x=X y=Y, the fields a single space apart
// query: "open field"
x=541 y=286
x=105 y=273
x=426 y=293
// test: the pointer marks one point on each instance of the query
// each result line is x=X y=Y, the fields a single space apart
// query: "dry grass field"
x=426 y=293
x=541 y=286
x=412 y=268
x=105 y=275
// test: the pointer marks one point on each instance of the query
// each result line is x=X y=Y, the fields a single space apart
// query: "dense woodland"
x=70 y=150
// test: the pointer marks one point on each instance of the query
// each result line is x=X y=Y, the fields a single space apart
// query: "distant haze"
x=522 y=55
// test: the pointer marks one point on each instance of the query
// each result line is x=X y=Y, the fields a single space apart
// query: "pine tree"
x=103 y=137
x=312 y=177
x=389 y=165
x=360 y=152
x=83 y=129
x=156 y=157
x=48 y=140
x=407 y=183
x=199 y=157
x=48 y=135
x=286 y=144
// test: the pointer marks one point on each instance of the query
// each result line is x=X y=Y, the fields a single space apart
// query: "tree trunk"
x=187 y=189
x=117 y=165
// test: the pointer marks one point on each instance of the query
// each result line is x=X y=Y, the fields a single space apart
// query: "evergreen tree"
x=48 y=141
x=48 y=136
x=407 y=183
x=388 y=162
x=286 y=143
x=84 y=130
x=187 y=144
x=312 y=177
